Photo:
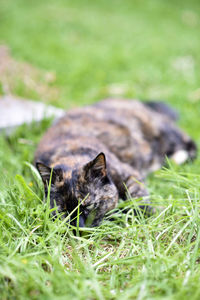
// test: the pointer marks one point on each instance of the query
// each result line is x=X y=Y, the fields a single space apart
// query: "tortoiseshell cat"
x=104 y=151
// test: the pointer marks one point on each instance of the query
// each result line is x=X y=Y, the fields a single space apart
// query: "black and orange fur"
x=103 y=152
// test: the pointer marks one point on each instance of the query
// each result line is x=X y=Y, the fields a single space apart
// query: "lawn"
x=74 y=53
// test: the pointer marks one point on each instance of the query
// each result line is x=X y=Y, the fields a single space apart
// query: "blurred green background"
x=144 y=49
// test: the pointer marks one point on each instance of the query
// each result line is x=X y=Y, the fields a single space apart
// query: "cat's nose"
x=81 y=221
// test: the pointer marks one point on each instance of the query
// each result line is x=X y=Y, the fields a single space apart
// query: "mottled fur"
x=134 y=138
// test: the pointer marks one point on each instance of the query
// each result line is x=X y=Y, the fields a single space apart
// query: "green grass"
x=142 y=49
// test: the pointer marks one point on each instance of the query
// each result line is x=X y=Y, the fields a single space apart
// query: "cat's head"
x=89 y=185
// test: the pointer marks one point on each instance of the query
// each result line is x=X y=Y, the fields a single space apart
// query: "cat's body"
x=135 y=138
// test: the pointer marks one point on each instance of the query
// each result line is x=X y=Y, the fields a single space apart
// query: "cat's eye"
x=90 y=207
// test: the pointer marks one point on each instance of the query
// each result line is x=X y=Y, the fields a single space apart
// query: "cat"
x=103 y=152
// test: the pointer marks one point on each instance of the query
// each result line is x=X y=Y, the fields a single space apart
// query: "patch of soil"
x=23 y=79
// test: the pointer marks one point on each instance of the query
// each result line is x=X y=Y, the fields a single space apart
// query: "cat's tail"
x=163 y=108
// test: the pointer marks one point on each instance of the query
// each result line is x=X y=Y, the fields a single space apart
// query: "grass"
x=144 y=49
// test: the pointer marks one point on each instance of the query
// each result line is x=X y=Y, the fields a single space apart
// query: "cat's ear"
x=45 y=173
x=96 y=167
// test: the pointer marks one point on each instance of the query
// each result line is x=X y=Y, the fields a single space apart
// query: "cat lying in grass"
x=103 y=152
